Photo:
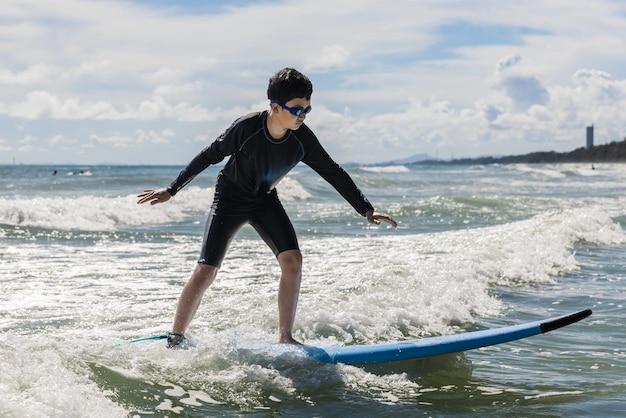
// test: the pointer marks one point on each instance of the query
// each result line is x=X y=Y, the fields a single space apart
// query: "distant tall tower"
x=589 y=137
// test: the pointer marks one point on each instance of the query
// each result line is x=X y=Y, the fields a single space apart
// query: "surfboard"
x=423 y=347
x=434 y=346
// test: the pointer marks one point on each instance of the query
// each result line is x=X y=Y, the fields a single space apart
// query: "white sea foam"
x=540 y=171
x=290 y=190
x=41 y=378
x=99 y=213
x=423 y=283
x=386 y=169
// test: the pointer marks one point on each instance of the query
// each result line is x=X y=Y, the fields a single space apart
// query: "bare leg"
x=191 y=296
x=288 y=292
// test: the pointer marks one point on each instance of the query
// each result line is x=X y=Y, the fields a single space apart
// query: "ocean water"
x=84 y=270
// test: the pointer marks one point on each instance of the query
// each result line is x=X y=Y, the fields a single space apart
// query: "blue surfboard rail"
x=434 y=346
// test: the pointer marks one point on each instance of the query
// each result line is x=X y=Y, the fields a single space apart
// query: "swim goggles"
x=296 y=110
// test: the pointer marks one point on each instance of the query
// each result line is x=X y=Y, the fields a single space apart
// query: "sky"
x=155 y=81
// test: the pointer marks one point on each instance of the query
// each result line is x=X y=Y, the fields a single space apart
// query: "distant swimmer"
x=80 y=173
x=54 y=173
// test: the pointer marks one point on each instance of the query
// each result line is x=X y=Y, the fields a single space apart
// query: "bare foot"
x=288 y=340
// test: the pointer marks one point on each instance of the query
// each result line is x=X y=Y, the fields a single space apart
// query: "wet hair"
x=289 y=84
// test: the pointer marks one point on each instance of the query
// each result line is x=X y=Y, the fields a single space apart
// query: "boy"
x=263 y=147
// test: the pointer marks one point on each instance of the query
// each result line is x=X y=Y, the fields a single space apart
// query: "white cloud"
x=155 y=137
x=330 y=57
x=57 y=139
x=42 y=104
x=97 y=68
x=4 y=146
x=24 y=149
x=117 y=141
x=585 y=75
x=27 y=139
x=32 y=75
x=25 y=144
x=45 y=105
x=141 y=136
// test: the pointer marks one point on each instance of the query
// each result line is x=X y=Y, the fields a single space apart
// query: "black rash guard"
x=258 y=162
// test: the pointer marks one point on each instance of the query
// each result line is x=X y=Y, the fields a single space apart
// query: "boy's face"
x=287 y=119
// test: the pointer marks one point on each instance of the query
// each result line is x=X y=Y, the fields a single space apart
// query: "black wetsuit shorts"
x=227 y=215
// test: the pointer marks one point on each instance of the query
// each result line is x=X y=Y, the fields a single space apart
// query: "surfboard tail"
x=564 y=320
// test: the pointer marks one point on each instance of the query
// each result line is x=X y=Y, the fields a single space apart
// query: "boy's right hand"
x=154 y=196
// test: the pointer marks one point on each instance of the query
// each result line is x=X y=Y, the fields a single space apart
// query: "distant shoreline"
x=615 y=152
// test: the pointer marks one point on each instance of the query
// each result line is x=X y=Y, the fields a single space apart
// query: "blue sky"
x=153 y=82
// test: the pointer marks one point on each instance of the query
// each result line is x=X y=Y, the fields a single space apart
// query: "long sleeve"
x=198 y=164
x=318 y=159
x=222 y=147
